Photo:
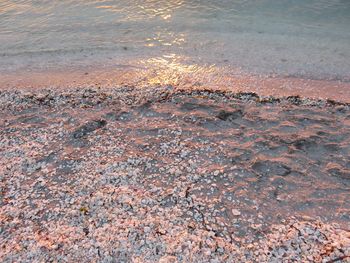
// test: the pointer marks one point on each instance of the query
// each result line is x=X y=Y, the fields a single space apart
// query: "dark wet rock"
x=86 y=231
x=271 y=168
x=88 y=128
x=229 y=115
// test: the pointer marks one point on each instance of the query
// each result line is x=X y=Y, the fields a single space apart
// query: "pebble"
x=134 y=208
x=236 y=212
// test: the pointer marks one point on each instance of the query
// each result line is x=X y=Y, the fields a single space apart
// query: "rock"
x=229 y=115
x=88 y=128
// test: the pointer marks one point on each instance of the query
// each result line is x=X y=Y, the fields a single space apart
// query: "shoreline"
x=175 y=131
x=205 y=78
x=90 y=97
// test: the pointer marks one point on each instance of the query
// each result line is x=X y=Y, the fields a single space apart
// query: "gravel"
x=165 y=175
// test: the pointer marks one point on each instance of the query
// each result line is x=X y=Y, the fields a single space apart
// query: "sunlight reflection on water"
x=289 y=38
x=171 y=70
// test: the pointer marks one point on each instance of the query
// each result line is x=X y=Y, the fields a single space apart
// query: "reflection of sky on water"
x=291 y=38
x=141 y=10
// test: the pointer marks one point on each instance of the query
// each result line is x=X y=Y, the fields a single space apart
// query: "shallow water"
x=308 y=39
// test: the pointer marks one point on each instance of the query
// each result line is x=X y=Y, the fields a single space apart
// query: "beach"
x=175 y=131
x=172 y=175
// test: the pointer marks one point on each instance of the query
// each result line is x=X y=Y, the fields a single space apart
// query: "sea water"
x=298 y=38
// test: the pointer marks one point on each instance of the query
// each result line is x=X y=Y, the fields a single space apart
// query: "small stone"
x=167 y=259
x=250 y=246
x=236 y=212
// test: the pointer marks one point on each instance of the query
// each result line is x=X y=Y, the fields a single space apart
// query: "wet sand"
x=178 y=75
x=170 y=175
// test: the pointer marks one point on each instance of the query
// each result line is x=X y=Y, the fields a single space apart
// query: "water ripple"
x=306 y=38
